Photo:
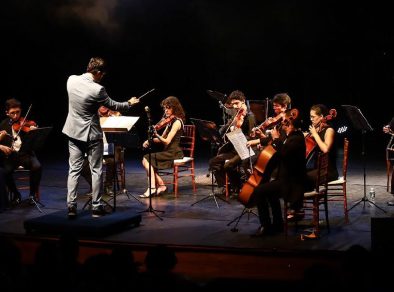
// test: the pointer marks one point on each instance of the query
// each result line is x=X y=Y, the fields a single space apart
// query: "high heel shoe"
x=146 y=194
x=161 y=189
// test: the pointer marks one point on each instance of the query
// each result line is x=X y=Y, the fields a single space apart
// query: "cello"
x=310 y=141
x=261 y=170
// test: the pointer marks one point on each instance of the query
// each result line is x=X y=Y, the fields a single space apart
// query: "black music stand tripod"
x=150 y=209
x=208 y=132
x=119 y=140
x=360 y=123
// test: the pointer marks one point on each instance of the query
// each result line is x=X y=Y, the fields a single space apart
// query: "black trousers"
x=28 y=161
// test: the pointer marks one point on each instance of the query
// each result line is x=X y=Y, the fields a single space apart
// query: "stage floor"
x=204 y=224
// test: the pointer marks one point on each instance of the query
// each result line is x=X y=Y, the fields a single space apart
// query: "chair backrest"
x=188 y=140
x=322 y=172
x=345 y=157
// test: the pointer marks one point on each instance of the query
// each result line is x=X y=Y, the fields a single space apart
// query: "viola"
x=310 y=141
x=267 y=124
x=23 y=125
x=164 y=122
x=106 y=112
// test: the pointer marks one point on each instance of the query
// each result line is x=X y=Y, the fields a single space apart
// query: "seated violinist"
x=280 y=103
x=227 y=159
x=172 y=123
x=261 y=135
x=12 y=153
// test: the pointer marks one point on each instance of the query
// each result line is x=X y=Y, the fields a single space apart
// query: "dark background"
x=331 y=52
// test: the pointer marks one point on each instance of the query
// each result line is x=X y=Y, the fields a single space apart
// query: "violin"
x=106 y=112
x=23 y=125
x=164 y=122
x=267 y=124
x=310 y=141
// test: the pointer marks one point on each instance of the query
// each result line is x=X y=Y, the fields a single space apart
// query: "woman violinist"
x=172 y=123
x=13 y=154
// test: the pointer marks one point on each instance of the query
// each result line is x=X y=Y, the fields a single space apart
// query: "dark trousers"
x=216 y=165
x=28 y=161
x=267 y=195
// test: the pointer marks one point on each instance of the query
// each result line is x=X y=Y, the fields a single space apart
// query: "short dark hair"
x=283 y=99
x=236 y=94
x=95 y=65
x=12 y=103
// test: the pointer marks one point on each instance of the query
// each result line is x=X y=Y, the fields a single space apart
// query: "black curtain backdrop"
x=331 y=52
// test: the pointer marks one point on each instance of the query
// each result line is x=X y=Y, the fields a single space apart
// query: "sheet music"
x=238 y=139
x=118 y=123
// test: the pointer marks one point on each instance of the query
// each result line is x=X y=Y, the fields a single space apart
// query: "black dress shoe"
x=262 y=231
x=72 y=212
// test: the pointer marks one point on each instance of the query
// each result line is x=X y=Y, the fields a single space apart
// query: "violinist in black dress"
x=173 y=122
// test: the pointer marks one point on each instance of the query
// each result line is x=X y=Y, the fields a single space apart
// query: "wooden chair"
x=186 y=164
x=336 y=189
x=389 y=160
x=317 y=197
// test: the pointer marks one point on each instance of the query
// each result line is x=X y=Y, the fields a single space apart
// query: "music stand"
x=360 y=123
x=122 y=140
x=32 y=141
x=208 y=132
x=151 y=130
x=118 y=124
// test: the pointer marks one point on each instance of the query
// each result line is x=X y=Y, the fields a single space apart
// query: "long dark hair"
x=177 y=109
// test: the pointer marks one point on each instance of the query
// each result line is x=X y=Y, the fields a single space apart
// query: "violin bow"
x=24 y=120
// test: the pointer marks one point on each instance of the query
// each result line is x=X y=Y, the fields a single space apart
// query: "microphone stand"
x=150 y=140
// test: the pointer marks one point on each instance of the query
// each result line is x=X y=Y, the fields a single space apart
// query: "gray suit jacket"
x=84 y=99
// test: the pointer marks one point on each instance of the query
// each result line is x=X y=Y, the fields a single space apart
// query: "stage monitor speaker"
x=382 y=237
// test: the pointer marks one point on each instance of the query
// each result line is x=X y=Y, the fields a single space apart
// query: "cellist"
x=323 y=134
x=288 y=182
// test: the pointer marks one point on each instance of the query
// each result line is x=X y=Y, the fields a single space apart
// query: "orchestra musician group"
x=279 y=143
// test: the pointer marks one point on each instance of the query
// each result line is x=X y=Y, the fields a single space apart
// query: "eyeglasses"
x=14 y=113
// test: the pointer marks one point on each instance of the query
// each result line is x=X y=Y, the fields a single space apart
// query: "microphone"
x=147 y=110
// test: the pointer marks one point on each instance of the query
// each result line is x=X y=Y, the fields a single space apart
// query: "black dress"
x=165 y=159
